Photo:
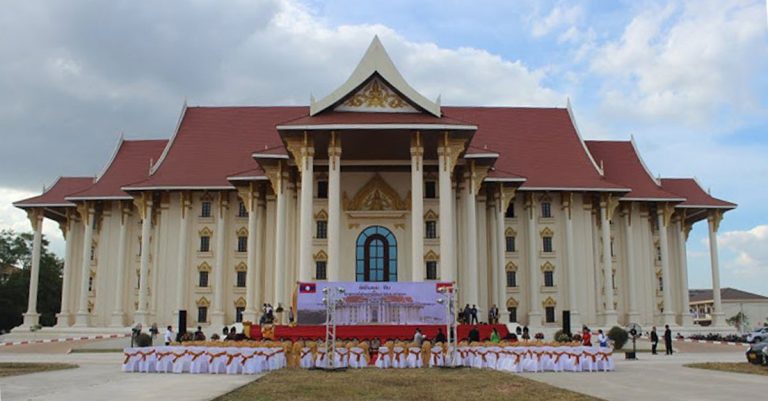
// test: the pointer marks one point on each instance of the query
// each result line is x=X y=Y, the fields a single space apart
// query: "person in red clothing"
x=586 y=337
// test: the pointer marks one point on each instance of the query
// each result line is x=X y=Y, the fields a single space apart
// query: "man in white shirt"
x=168 y=336
x=418 y=338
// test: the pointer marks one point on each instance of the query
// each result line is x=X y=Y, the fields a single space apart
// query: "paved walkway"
x=662 y=377
x=99 y=378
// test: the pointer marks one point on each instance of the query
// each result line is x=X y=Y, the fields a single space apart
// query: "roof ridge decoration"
x=118 y=145
x=581 y=138
x=656 y=180
x=154 y=167
x=375 y=63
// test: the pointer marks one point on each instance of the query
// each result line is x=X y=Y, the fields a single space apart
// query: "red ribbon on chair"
x=211 y=356
x=230 y=357
x=195 y=355
x=177 y=356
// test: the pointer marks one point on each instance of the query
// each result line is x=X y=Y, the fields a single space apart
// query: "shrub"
x=144 y=340
x=576 y=337
x=562 y=337
x=619 y=336
x=539 y=336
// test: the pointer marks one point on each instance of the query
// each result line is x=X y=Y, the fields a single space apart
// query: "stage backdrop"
x=384 y=303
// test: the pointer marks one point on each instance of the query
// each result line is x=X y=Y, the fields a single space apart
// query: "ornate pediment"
x=376 y=96
x=375 y=196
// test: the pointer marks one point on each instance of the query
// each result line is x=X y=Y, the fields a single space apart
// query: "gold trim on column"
x=566 y=200
x=611 y=203
x=666 y=209
x=35 y=216
x=142 y=202
x=715 y=216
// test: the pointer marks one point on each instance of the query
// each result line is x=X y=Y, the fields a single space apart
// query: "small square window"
x=546 y=209
x=202 y=314
x=322 y=189
x=205 y=243
x=512 y=314
x=430 y=189
x=510 y=246
x=431 y=270
x=242 y=243
x=241 y=210
x=202 y=279
x=321 y=267
x=547 y=244
x=549 y=279
x=205 y=209
x=511 y=279
x=321 y=231
x=430 y=229
x=241 y=276
x=510 y=213
x=90 y=284
x=549 y=311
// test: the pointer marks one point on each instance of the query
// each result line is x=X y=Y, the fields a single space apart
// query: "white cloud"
x=15 y=219
x=559 y=16
x=750 y=250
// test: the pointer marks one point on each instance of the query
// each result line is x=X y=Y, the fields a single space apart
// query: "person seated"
x=474 y=334
x=440 y=337
x=495 y=338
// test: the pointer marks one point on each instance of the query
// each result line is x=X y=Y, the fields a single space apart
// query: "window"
x=241 y=210
x=205 y=243
x=202 y=279
x=202 y=314
x=661 y=283
x=510 y=247
x=658 y=253
x=90 y=284
x=93 y=252
x=138 y=280
x=241 y=276
x=322 y=189
x=549 y=279
x=430 y=229
x=510 y=213
x=549 y=311
x=546 y=209
x=321 y=270
x=239 y=313
x=321 y=231
x=242 y=244
x=613 y=280
x=205 y=209
x=431 y=270
x=511 y=278
x=512 y=314
x=430 y=189
x=547 y=243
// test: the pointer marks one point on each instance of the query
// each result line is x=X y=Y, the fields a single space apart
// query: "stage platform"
x=382 y=332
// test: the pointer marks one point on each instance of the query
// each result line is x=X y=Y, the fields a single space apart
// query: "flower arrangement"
x=539 y=336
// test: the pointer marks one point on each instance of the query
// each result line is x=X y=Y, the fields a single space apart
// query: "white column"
x=470 y=217
x=253 y=275
x=631 y=285
x=417 y=209
x=500 y=208
x=447 y=246
x=86 y=215
x=280 y=237
x=610 y=317
x=669 y=313
x=220 y=270
x=334 y=208
x=534 y=313
x=145 y=211
x=118 y=308
x=182 y=280
x=62 y=319
x=305 y=163
x=714 y=223
x=685 y=319
x=32 y=318
x=571 y=263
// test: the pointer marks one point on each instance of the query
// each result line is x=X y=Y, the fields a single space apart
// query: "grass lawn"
x=18 y=368
x=398 y=384
x=733 y=367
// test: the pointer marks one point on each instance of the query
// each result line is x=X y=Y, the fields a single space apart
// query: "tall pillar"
x=501 y=202
x=118 y=307
x=250 y=197
x=182 y=280
x=663 y=216
x=417 y=209
x=570 y=261
x=220 y=270
x=62 y=319
x=470 y=217
x=305 y=165
x=144 y=206
x=334 y=208
x=32 y=318
x=534 y=311
x=607 y=206
x=633 y=316
x=447 y=154
x=87 y=214
x=714 y=219
x=279 y=185
x=686 y=320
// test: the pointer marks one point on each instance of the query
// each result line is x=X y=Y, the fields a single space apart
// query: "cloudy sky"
x=686 y=78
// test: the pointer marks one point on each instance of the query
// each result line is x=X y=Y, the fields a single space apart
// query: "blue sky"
x=685 y=78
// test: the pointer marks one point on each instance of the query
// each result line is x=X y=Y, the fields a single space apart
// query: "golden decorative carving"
x=205 y=232
x=400 y=226
x=549 y=302
x=242 y=232
x=506 y=194
x=715 y=216
x=203 y=302
x=321 y=215
x=142 y=202
x=240 y=303
x=276 y=175
x=431 y=256
x=353 y=225
x=510 y=232
x=547 y=232
x=610 y=202
x=86 y=210
x=376 y=195
x=250 y=195
x=334 y=150
x=302 y=150
x=512 y=303
x=376 y=94
x=547 y=267
x=322 y=256
x=430 y=215
x=35 y=216
x=566 y=200
x=450 y=149
x=511 y=267
x=666 y=209
x=204 y=267
x=241 y=267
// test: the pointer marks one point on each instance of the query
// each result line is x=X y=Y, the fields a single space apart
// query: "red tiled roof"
x=342 y=117
x=726 y=294
x=695 y=195
x=54 y=196
x=622 y=165
x=130 y=164
x=540 y=144
x=212 y=143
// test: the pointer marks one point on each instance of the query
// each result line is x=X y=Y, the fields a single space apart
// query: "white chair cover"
x=383 y=361
x=357 y=358
x=436 y=357
x=399 y=357
x=305 y=358
x=413 y=360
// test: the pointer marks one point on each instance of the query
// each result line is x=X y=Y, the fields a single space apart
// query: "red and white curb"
x=60 y=340
x=688 y=340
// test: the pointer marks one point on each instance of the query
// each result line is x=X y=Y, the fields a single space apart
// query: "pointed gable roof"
x=696 y=196
x=375 y=63
x=54 y=195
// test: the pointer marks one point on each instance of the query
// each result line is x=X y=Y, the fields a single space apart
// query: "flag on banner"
x=307 y=288
x=447 y=286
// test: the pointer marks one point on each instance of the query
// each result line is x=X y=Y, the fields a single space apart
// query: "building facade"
x=375 y=183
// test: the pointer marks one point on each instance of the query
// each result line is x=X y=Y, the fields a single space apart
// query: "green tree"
x=16 y=250
x=739 y=320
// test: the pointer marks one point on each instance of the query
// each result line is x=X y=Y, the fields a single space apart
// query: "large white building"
x=374 y=183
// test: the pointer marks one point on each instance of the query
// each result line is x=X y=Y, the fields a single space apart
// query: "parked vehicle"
x=758 y=353
x=758 y=335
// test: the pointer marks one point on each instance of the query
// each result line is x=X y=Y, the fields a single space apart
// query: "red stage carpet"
x=367 y=332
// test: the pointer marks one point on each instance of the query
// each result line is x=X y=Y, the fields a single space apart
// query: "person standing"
x=440 y=337
x=466 y=314
x=474 y=334
x=473 y=313
x=602 y=339
x=493 y=315
x=418 y=338
x=586 y=337
x=668 y=339
x=654 y=340
x=168 y=336
x=153 y=331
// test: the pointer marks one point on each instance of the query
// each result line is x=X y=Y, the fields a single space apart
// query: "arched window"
x=376 y=255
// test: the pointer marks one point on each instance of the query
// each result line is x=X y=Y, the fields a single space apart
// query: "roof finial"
x=151 y=163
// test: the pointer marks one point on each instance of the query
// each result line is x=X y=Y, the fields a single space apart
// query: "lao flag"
x=307 y=288
x=447 y=285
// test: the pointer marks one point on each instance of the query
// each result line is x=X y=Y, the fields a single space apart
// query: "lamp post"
x=331 y=299
x=449 y=301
